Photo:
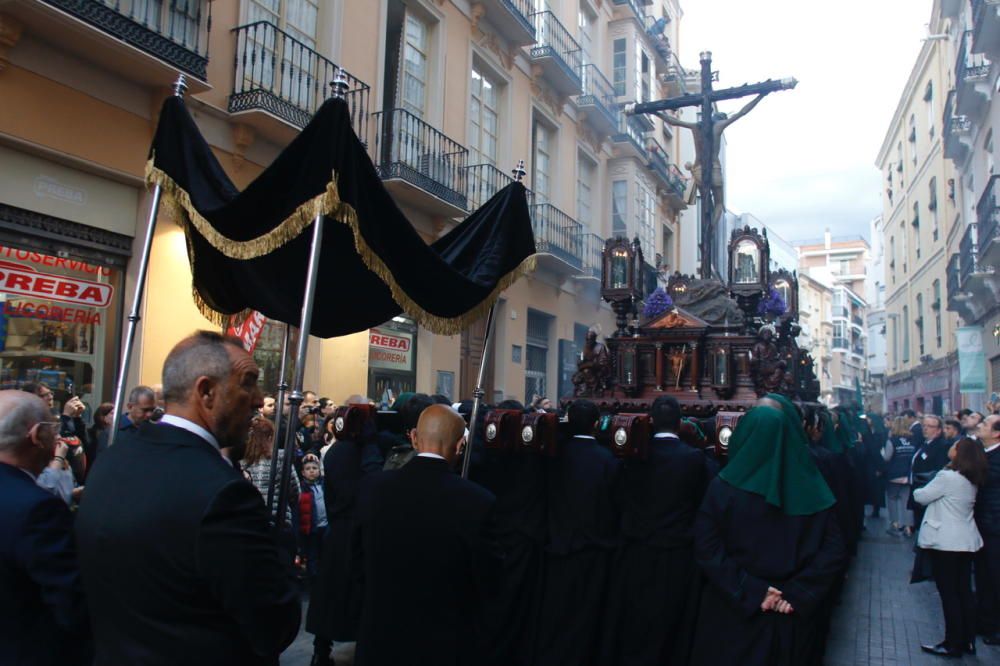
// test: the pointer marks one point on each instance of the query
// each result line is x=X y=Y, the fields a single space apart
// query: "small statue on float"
x=766 y=365
x=593 y=370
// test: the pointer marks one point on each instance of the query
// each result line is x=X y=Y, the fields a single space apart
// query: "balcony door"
x=290 y=32
x=405 y=136
x=484 y=98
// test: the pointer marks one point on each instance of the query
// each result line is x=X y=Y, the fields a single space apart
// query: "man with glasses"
x=43 y=617
x=930 y=458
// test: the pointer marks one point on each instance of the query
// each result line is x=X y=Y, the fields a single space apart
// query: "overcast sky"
x=804 y=159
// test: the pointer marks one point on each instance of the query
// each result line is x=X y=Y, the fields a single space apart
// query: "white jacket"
x=948 y=523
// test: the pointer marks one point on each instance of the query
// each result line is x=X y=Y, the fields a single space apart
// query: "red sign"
x=379 y=339
x=249 y=330
x=26 y=281
x=52 y=262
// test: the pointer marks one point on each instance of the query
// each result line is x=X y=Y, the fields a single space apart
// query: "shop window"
x=59 y=324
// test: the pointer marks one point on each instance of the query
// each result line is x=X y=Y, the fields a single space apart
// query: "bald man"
x=425 y=539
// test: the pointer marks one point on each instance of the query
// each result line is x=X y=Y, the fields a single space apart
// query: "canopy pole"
x=279 y=407
x=296 y=397
x=477 y=395
x=180 y=87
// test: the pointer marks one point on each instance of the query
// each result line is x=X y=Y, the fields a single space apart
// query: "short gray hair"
x=202 y=354
x=140 y=392
x=19 y=411
x=940 y=421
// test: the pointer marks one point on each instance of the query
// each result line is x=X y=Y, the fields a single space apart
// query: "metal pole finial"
x=705 y=55
x=180 y=86
x=339 y=84
x=519 y=171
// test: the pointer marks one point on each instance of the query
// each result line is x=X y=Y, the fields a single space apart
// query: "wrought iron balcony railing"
x=599 y=93
x=667 y=172
x=552 y=39
x=969 y=65
x=857 y=320
x=988 y=218
x=968 y=251
x=630 y=131
x=593 y=247
x=557 y=233
x=634 y=6
x=952 y=281
x=407 y=148
x=485 y=180
x=281 y=75
x=175 y=31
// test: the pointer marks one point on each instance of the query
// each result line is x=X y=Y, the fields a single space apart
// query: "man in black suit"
x=583 y=517
x=178 y=562
x=43 y=618
x=426 y=542
x=654 y=572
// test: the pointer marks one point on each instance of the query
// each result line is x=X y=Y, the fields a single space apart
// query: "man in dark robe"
x=583 y=530
x=654 y=573
x=435 y=531
x=770 y=546
x=517 y=478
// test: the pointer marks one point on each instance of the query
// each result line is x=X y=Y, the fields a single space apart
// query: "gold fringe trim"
x=330 y=205
x=327 y=203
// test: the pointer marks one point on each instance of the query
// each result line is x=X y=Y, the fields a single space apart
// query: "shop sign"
x=971 y=360
x=249 y=331
x=391 y=351
x=53 y=262
x=26 y=281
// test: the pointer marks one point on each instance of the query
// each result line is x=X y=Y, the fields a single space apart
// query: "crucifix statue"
x=707 y=132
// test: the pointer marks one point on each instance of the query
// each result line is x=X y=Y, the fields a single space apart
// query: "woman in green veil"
x=769 y=544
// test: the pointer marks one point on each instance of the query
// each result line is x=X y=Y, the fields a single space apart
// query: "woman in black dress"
x=770 y=546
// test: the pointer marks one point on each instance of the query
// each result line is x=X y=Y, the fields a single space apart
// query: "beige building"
x=920 y=212
x=815 y=310
x=839 y=264
x=474 y=86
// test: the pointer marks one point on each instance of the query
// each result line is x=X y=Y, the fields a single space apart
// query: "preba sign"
x=389 y=350
x=249 y=331
x=26 y=281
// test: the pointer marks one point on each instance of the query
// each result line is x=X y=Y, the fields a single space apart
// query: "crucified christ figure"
x=718 y=126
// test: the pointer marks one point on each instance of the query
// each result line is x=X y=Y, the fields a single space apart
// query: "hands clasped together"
x=774 y=603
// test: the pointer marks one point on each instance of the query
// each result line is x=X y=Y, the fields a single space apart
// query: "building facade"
x=920 y=213
x=841 y=264
x=971 y=118
x=875 y=295
x=447 y=95
x=815 y=318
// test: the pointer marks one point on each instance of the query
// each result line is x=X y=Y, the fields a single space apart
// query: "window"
x=929 y=105
x=415 y=68
x=619 y=208
x=844 y=267
x=643 y=85
x=585 y=32
x=294 y=72
x=916 y=228
x=620 y=66
x=892 y=258
x=895 y=343
x=541 y=165
x=906 y=334
x=645 y=218
x=584 y=197
x=536 y=355
x=483 y=123
x=937 y=311
x=988 y=149
x=919 y=321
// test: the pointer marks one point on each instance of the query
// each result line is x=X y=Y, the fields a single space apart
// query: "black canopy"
x=248 y=250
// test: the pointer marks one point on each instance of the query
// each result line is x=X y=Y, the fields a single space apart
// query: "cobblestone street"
x=881 y=621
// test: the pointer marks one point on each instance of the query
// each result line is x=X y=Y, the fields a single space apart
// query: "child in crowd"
x=312 y=514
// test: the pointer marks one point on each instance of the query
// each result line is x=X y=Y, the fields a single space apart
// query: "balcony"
x=957 y=133
x=485 y=180
x=143 y=41
x=674 y=183
x=857 y=321
x=629 y=138
x=557 y=54
x=972 y=85
x=420 y=166
x=841 y=344
x=592 y=247
x=968 y=262
x=280 y=82
x=597 y=103
x=986 y=27
x=558 y=235
x=512 y=19
x=840 y=312
x=988 y=219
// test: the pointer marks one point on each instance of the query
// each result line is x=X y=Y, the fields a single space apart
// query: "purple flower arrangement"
x=657 y=303
x=772 y=304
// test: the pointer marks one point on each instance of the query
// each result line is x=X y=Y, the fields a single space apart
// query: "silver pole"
x=296 y=397
x=478 y=394
x=180 y=86
x=278 y=414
